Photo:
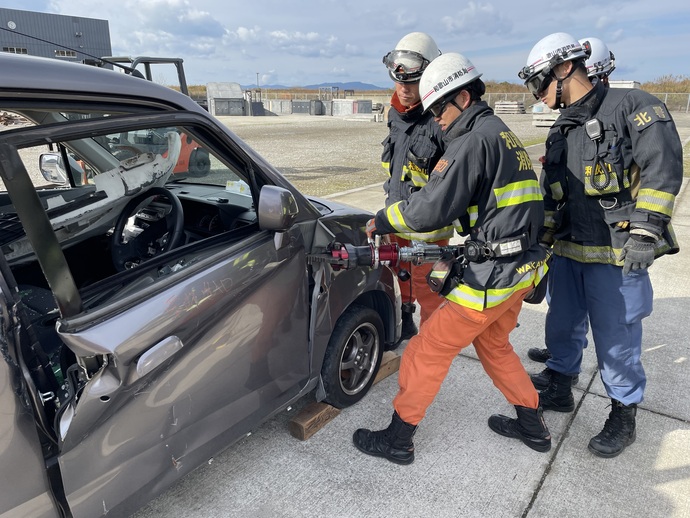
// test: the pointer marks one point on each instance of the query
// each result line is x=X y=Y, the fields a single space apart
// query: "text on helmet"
x=562 y=50
x=455 y=75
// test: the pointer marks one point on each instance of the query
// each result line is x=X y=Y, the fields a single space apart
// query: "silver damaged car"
x=157 y=297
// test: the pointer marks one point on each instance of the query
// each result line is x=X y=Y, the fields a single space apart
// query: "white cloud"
x=245 y=34
x=479 y=18
x=404 y=19
x=602 y=22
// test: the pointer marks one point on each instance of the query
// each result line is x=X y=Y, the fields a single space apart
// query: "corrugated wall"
x=85 y=36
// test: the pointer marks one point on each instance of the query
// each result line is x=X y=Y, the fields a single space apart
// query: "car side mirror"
x=277 y=208
x=52 y=168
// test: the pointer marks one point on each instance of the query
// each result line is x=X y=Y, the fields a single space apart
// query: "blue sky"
x=298 y=43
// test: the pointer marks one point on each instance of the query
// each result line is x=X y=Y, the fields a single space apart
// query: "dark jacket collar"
x=583 y=109
x=466 y=120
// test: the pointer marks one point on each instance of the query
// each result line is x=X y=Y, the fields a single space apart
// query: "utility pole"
x=257 y=80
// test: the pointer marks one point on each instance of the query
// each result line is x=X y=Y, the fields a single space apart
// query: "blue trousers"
x=615 y=304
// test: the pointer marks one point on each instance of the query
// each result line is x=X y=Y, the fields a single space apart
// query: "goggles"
x=437 y=109
x=536 y=83
x=405 y=66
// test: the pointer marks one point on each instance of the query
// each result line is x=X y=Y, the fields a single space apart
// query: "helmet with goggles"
x=549 y=52
x=411 y=56
x=448 y=73
x=601 y=62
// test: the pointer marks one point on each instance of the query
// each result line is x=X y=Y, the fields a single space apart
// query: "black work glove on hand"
x=638 y=253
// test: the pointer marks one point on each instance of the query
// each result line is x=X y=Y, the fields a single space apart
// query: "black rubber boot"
x=558 y=396
x=541 y=380
x=394 y=443
x=529 y=427
x=618 y=431
x=538 y=355
x=409 y=328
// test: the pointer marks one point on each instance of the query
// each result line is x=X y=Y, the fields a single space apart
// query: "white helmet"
x=550 y=51
x=601 y=62
x=410 y=57
x=447 y=73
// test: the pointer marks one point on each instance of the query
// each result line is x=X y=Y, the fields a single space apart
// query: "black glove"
x=638 y=253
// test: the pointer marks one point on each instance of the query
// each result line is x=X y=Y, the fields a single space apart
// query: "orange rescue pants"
x=417 y=288
x=452 y=327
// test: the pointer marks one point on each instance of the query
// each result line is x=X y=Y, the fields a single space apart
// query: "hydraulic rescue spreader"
x=373 y=254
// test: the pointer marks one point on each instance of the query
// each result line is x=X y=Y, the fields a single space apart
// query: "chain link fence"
x=676 y=102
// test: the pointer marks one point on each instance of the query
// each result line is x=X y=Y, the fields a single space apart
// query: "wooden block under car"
x=311 y=419
x=390 y=363
x=315 y=416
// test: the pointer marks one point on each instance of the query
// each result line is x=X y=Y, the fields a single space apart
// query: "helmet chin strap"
x=559 y=91
x=559 y=87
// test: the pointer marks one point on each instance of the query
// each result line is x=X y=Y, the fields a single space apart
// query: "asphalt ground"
x=463 y=469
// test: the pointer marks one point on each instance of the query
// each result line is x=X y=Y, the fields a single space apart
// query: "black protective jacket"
x=613 y=162
x=410 y=151
x=485 y=181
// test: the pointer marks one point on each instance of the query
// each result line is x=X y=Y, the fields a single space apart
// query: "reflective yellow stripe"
x=587 y=254
x=419 y=179
x=387 y=167
x=434 y=235
x=473 y=212
x=478 y=299
x=415 y=175
x=656 y=201
x=517 y=192
x=437 y=274
x=556 y=191
x=599 y=254
x=466 y=296
x=395 y=218
x=497 y=296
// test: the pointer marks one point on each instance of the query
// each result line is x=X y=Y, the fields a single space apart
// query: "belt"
x=477 y=252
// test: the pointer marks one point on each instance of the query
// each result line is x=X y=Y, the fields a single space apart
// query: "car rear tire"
x=353 y=356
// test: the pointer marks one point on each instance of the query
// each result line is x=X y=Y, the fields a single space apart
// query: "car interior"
x=126 y=216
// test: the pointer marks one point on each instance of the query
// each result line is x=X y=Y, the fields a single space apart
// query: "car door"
x=25 y=487
x=178 y=360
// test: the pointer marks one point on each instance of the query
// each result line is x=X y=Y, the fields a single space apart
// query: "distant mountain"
x=352 y=85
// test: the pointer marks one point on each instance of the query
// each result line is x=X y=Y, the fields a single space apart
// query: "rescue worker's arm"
x=554 y=185
x=442 y=200
x=658 y=152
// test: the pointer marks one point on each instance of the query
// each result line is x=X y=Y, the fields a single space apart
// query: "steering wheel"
x=157 y=234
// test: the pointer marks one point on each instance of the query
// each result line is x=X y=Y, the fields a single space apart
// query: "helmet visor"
x=538 y=82
x=405 y=66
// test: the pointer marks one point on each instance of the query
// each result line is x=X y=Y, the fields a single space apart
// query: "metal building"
x=71 y=38
x=226 y=99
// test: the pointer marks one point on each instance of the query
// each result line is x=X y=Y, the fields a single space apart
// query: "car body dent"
x=170 y=403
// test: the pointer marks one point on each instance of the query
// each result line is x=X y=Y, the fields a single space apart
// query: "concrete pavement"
x=463 y=469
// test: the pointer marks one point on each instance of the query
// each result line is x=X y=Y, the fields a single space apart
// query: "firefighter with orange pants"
x=410 y=151
x=486 y=182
